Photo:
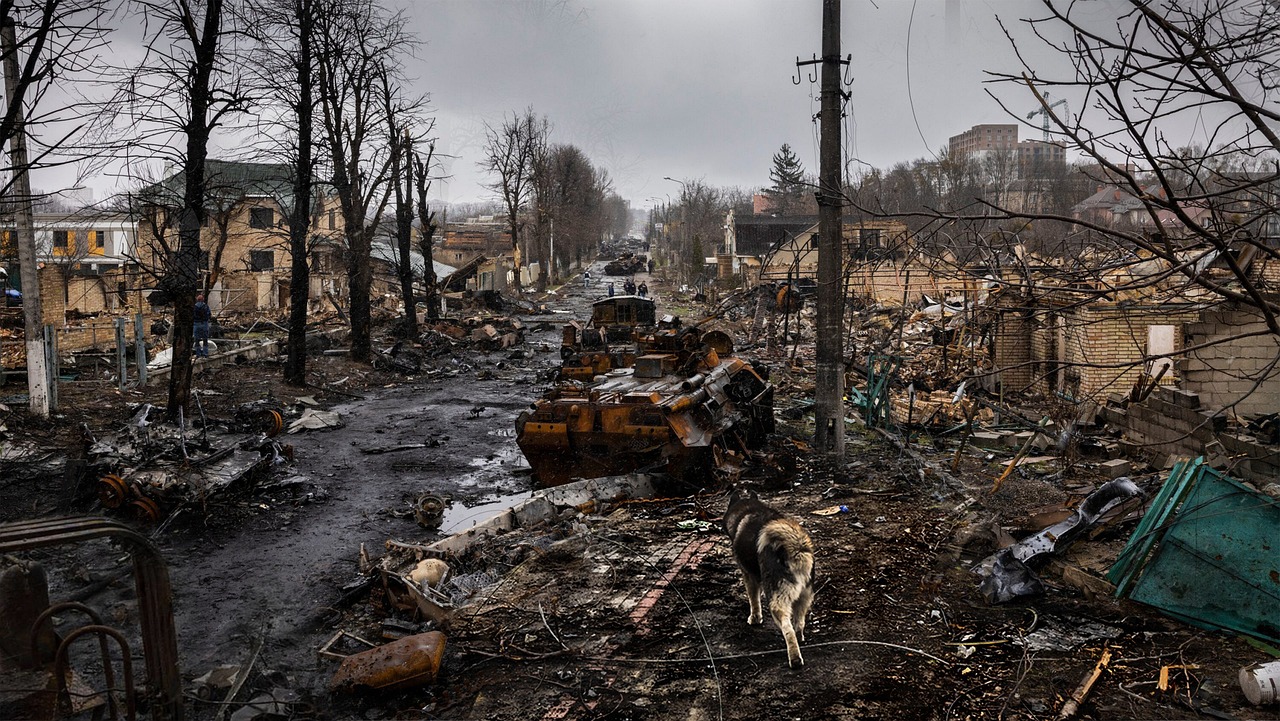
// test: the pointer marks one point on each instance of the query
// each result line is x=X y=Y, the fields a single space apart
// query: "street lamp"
x=684 y=212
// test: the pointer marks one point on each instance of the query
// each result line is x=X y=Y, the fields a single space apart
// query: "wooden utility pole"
x=24 y=227
x=829 y=394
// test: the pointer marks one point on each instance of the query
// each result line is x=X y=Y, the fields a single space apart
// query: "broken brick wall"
x=1234 y=372
x=1171 y=424
x=235 y=293
x=88 y=294
x=1087 y=352
x=1010 y=351
x=97 y=332
x=53 y=295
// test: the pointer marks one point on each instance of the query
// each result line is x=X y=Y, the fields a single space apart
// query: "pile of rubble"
x=452 y=339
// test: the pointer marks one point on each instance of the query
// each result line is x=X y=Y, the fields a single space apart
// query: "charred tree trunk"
x=191 y=218
x=360 y=284
x=514 y=224
x=402 y=176
x=427 y=219
x=295 y=367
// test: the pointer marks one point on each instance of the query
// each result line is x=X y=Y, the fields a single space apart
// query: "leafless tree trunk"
x=285 y=32
x=357 y=43
x=508 y=155
x=400 y=136
x=426 y=237
x=185 y=59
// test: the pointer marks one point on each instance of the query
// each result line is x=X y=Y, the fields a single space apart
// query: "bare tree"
x=43 y=45
x=357 y=42
x=1208 y=63
x=286 y=58
x=427 y=228
x=186 y=85
x=508 y=155
x=403 y=127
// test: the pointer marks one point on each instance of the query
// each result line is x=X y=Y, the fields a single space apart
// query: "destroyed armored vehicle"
x=627 y=264
x=684 y=395
x=609 y=339
x=149 y=469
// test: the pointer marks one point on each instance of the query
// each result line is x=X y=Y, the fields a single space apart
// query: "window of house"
x=262 y=218
x=869 y=238
x=333 y=220
x=98 y=239
x=203 y=262
x=61 y=240
x=813 y=241
x=260 y=260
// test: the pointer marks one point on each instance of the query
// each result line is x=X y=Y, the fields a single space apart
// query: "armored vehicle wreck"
x=683 y=395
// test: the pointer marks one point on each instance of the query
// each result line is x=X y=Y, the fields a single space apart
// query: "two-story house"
x=245 y=256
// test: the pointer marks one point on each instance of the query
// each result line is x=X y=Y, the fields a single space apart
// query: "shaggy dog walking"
x=776 y=558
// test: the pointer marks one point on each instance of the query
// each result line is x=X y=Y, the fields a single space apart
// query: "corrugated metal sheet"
x=1205 y=553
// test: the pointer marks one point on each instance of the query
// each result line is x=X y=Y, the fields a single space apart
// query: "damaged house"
x=244 y=259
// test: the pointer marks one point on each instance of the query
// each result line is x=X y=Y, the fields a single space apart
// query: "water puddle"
x=459 y=518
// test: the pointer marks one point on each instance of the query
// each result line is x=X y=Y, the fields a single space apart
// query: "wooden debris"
x=1072 y=705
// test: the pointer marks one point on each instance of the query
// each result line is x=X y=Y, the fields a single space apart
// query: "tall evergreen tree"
x=787 y=175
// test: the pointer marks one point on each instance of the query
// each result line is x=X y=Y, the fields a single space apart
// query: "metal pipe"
x=126 y=664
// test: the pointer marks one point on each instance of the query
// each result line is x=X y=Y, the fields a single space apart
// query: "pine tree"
x=787 y=175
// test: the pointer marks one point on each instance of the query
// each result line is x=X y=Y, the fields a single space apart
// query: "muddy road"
x=273 y=565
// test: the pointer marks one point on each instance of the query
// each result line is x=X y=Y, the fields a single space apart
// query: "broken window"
x=262 y=218
x=260 y=260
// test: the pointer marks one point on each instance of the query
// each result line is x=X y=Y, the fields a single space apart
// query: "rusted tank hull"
x=648 y=417
x=557 y=464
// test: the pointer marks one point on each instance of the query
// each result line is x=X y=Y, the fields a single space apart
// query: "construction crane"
x=1045 y=109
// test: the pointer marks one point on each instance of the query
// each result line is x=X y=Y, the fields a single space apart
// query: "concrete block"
x=990 y=439
x=1115 y=468
x=1114 y=416
x=1185 y=399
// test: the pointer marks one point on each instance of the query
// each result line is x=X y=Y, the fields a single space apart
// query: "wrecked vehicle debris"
x=1009 y=573
x=150 y=469
x=610 y=339
x=627 y=264
x=678 y=402
x=402 y=664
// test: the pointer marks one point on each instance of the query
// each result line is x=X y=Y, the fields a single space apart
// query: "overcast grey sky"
x=703 y=88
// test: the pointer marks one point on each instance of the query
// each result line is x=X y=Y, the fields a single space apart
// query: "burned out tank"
x=610 y=339
x=679 y=400
x=627 y=264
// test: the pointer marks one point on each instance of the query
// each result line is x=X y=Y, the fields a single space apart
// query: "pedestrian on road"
x=203 y=317
x=629 y=287
x=586 y=279
x=610 y=289
x=643 y=290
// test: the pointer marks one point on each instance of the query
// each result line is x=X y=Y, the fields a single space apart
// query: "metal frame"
x=155 y=596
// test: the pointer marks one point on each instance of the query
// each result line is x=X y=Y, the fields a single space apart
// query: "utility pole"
x=828 y=408
x=24 y=227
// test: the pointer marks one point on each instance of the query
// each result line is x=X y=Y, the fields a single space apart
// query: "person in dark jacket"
x=203 y=317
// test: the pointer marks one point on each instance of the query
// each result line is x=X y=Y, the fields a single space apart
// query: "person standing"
x=586 y=279
x=203 y=317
